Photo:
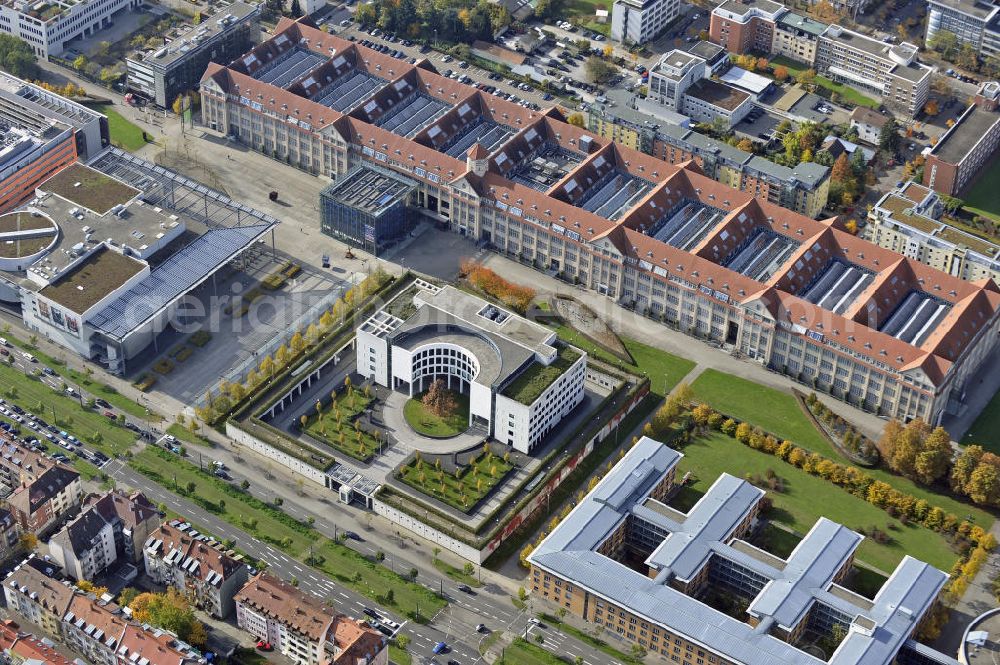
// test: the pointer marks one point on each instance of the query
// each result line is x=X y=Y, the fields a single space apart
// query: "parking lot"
x=447 y=65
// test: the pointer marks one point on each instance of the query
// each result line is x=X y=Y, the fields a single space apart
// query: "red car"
x=264 y=645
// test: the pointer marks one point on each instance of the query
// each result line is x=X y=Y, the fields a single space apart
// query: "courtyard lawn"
x=985 y=431
x=462 y=491
x=124 y=133
x=333 y=426
x=807 y=498
x=982 y=198
x=428 y=423
x=777 y=412
x=63 y=411
x=847 y=93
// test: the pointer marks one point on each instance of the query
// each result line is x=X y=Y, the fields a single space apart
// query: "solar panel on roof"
x=174 y=277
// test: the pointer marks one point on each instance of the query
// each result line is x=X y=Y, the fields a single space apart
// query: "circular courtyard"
x=447 y=418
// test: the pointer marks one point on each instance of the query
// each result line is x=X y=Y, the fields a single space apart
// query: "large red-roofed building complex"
x=798 y=295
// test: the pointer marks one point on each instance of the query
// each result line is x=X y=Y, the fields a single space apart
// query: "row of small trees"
x=232 y=393
x=515 y=296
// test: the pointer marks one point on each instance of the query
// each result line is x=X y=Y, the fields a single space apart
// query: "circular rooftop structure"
x=25 y=235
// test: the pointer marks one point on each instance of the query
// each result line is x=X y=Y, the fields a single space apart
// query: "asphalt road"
x=422 y=637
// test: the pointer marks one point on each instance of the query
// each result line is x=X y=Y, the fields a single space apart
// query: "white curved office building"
x=520 y=383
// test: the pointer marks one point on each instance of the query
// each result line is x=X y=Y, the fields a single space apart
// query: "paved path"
x=977 y=599
x=647 y=331
x=397 y=427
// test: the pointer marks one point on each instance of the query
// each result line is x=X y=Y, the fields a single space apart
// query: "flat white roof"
x=741 y=78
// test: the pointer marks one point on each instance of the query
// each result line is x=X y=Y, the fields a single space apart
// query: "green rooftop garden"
x=537 y=377
x=462 y=488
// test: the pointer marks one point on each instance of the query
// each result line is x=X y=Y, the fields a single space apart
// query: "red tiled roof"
x=209 y=557
x=972 y=304
x=301 y=612
x=155 y=646
x=112 y=624
x=356 y=640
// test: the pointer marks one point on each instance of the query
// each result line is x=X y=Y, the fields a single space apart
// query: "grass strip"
x=275 y=527
x=590 y=640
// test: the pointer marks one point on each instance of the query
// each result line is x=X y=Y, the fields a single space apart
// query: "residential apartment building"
x=639 y=21
x=956 y=160
x=42 y=504
x=803 y=188
x=899 y=338
x=304 y=629
x=890 y=71
x=968 y=20
x=19 y=647
x=93 y=627
x=19 y=464
x=160 y=75
x=868 y=123
x=796 y=36
x=111 y=527
x=629 y=563
x=10 y=535
x=31 y=591
x=176 y=554
x=47 y=26
x=908 y=220
x=741 y=26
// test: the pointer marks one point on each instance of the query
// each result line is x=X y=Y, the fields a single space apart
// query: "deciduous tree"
x=439 y=400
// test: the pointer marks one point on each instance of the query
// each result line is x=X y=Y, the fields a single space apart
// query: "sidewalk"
x=647 y=331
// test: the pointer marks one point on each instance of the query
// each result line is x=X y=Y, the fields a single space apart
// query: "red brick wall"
x=943 y=174
x=20 y=186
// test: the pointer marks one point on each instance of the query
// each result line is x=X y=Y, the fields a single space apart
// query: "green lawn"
x=982 y=198
x=124 y=133
x=986 y=430
x=462 y=492
x=63 y=411
x=847 y=93
x=456 y=574
x=426 y=422
x=187 y=436
x=806 y=498
x=164 y=467
x=777 y=412
x=664 y=370
x=275 y=527
x=532 y=382
x=522 y=652
x=398 y=656
x=773 y=410
x=334 y=426
x=582 y=12
x=86 y=381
